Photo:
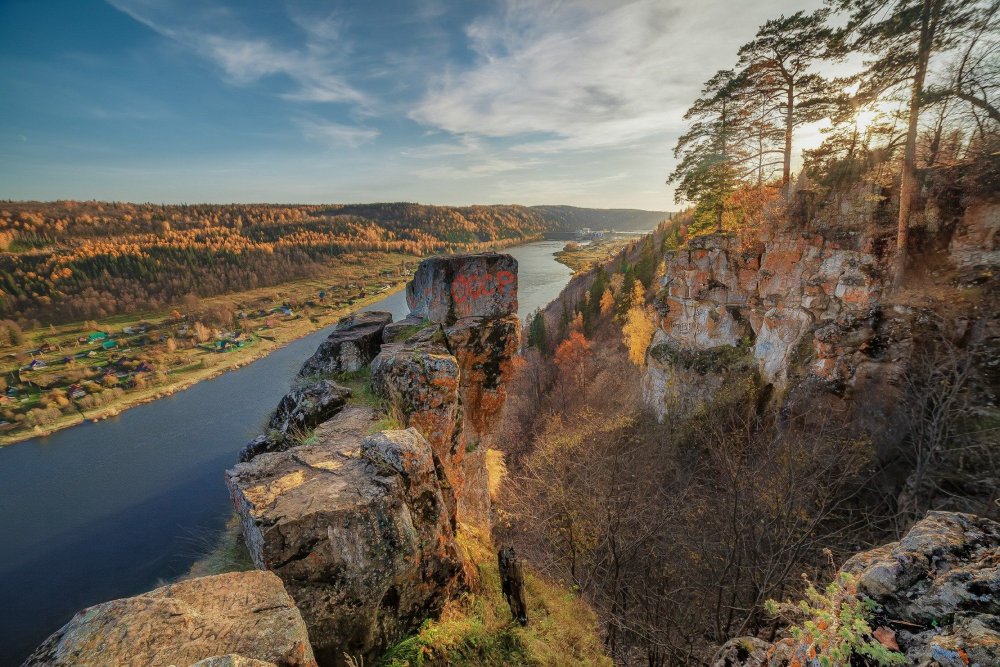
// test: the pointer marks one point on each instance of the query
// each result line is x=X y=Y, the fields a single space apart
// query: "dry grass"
x=477 y=630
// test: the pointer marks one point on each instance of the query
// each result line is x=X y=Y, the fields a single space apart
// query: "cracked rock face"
x=450 y=384
x=445 y=289
x=947 y=563
x=808 y=305
x=245 y=618
x=353 y=344
x=356 y=527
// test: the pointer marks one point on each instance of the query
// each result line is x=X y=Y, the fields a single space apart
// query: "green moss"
x=477 y=628
x=713 y=360
x=408 y=332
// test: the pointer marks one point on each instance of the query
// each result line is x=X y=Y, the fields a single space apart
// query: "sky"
x=451 y=102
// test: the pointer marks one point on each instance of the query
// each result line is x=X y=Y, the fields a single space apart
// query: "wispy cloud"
x=336 y=134
x=312 y=69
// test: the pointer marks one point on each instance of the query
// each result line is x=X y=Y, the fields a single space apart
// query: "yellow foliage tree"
x=607 y=302
x=638 y=329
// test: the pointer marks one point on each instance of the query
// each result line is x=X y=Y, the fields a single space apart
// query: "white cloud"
x=589 y=74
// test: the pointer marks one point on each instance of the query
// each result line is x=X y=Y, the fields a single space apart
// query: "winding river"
x=111 y=509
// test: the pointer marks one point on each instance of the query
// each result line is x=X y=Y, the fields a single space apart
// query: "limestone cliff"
x=808 y=309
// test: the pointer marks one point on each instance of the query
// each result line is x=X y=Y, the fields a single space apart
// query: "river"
x=111 y=509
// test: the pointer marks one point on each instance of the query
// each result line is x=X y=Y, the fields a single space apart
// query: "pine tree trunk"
x=907 y=184
x=786 y=172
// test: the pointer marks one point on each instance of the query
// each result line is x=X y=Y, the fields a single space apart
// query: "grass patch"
x=387 y=423
x=228 y=553
x=360 y=384
x=408 y=332
x=476 y=629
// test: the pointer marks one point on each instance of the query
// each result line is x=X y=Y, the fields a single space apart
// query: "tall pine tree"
x=777 y=66
x=902 y=38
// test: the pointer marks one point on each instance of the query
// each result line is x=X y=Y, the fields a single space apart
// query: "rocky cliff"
x=808 y=310
x=359 y=522
x=350 y=500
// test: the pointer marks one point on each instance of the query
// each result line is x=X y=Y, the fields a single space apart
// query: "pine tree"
x=706 y=171
x=902 y=37
x=777 y=68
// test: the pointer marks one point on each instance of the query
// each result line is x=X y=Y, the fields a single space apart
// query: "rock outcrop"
x=445 y=289
x=301 y=409
x=936 y=593
x=242 y=618
x=793 y=301
x=448 y=379
x=360 y=524
x=353 y=344
x=809 y=308
x=356 y=527
x=357 y=521
x=940 y=586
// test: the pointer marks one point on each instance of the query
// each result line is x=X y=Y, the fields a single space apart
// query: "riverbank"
x=580 y=257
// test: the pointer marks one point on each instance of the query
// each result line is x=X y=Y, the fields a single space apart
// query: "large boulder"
x=357 y=528
x=248 y=614
x=445 y=289
x=947 y=563
x=306 y=406
x=420 y=381
x=353 y=344
x=301 y=409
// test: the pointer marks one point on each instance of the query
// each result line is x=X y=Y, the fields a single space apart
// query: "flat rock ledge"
x=243 y=619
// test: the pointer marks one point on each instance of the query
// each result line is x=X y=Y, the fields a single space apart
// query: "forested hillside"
x=619 y=219
x=68 y=260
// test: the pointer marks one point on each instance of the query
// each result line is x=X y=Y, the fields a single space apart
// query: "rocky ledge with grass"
x=931 y=599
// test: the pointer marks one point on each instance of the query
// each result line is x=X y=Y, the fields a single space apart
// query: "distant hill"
x=620 y=219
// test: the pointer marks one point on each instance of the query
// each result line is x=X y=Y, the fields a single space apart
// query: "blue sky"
x=444 y=102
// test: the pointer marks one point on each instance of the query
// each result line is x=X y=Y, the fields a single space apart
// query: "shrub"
x=835 y=626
